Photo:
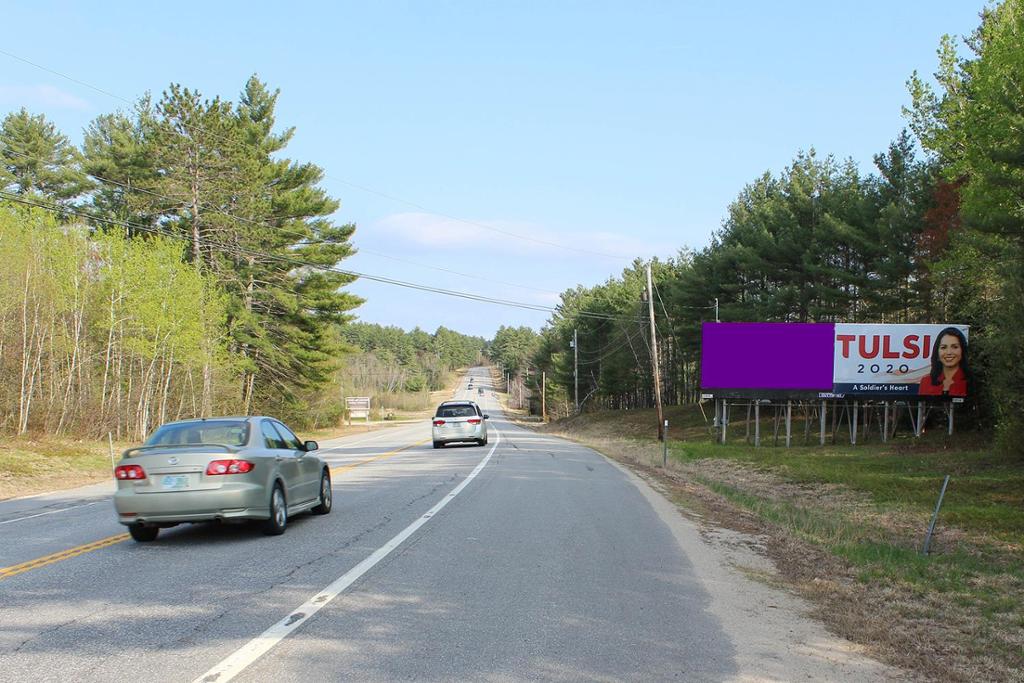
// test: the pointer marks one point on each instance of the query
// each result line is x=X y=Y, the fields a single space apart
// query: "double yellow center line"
x=352 y=466
x=15 y=569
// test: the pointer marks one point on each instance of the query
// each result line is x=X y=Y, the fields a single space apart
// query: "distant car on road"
x=480 y=390
x=456 y=421
x=220 y=469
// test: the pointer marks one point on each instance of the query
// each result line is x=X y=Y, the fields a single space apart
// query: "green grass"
x=985 y=493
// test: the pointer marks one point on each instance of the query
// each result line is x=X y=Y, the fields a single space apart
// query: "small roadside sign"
x=358 y=408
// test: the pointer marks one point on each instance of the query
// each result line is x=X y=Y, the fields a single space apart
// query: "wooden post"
x=654 y=356
x=543 y=396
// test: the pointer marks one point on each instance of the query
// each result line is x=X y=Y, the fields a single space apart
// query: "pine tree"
x=289 y=295
x=38 y=160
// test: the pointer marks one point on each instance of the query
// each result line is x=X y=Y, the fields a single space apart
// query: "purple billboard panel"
x=767 y=356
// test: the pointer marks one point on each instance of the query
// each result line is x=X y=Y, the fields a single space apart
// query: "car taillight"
x=473 y=420
x=132 y=472
x=229 y=467
x=438 y=423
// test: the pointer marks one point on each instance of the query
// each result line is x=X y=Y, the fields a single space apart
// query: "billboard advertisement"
x=835 y=359
x=795 y=356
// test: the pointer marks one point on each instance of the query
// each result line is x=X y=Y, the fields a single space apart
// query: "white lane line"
x=51 y=512
x=261 y=644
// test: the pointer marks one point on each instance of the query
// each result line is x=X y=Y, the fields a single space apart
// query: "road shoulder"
x=775 y=639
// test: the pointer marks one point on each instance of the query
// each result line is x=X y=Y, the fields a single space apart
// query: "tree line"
x=388 y=360
x=176 y=264
x=937 y=237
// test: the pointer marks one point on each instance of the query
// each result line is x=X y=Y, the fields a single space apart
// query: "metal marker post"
x=664 y=444
x=935 y=516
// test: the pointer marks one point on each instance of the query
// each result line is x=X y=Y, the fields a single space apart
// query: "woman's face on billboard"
x=950 y=351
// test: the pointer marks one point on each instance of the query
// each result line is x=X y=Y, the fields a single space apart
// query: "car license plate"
x=173 y=482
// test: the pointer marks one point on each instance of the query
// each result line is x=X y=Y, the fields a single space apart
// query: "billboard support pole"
x=746 y=437
x=853 y=425
x=757 y=424
x=835 y=415
x=725 y=417
x=807 y=422
x=821 y=426
x=919 y=425
x=789 y=420
x=885 y=424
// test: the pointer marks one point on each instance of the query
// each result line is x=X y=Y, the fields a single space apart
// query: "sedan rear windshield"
x=456 y=411
x=220 y=432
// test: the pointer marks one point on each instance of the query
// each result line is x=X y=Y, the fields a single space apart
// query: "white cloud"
x=442 y=232
x=41 y=96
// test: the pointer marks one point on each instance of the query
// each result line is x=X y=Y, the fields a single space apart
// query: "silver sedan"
x=220 y=469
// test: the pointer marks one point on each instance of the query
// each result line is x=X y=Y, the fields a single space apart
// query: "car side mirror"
x=311 y=446
x=487 y=417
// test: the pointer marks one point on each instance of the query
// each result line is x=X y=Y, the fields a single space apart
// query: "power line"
x=238 y=251
x=363 y=188
x=604 y=356
x=304 y=237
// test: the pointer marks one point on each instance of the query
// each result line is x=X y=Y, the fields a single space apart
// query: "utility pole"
x=543 y=396
x=654 y=356
x=576 y=368
x=716 y=309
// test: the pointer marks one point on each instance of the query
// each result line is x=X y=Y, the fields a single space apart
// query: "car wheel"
x=438 y=444
x=143 y=534
x=326 y=495
x=275 y=526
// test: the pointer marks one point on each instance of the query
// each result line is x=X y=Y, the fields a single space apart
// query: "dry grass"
x=956 y=615
x=36 y=464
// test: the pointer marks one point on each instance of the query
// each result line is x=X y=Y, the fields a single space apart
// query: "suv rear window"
x=456 y=411
x=220 y=432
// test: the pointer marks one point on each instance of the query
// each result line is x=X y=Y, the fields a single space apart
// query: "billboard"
x=834 y=360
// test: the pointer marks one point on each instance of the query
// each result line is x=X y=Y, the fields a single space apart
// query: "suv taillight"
x=473 y=420
x=438 y=423
x=129 y=472
x=229 y=467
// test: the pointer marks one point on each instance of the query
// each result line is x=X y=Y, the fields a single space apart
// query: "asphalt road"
x=529 y=559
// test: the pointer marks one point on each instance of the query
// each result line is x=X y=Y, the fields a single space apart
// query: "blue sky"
x=622 y=128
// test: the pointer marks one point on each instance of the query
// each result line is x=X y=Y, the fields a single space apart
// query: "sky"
x=509 y=150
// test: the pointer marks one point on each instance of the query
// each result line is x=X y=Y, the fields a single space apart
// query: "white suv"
x=459 y=421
